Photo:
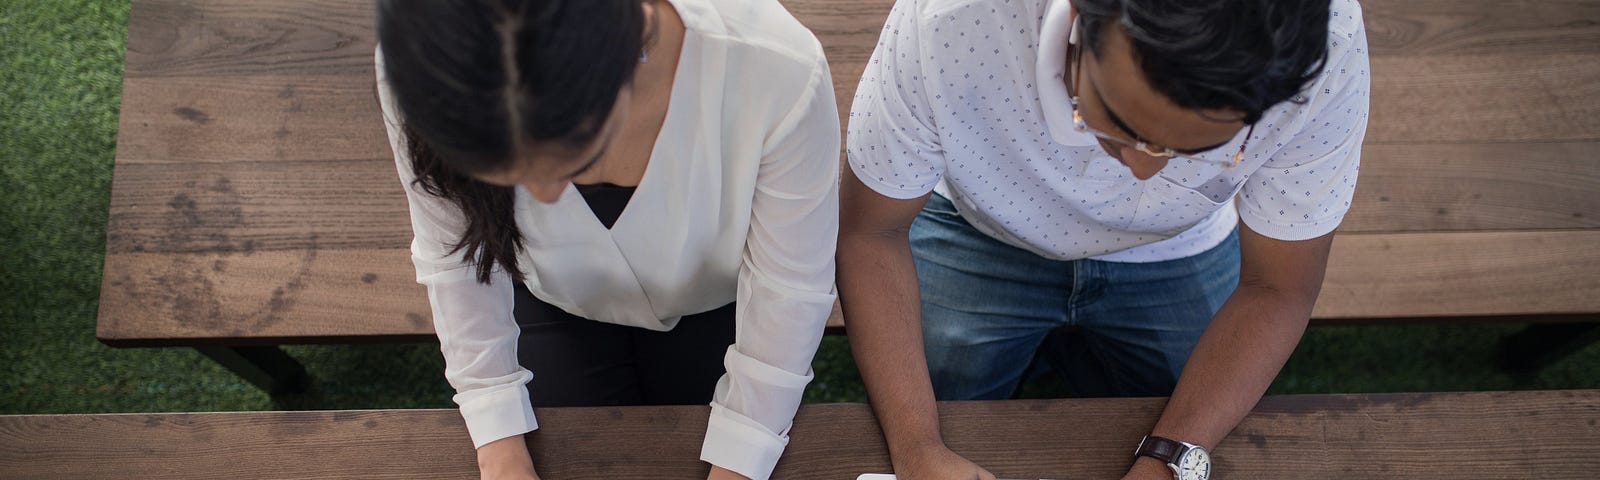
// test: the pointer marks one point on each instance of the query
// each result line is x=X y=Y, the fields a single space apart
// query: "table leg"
x=267 y=367
x=1543 y=344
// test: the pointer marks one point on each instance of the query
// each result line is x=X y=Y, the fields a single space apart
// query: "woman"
x=603 y=179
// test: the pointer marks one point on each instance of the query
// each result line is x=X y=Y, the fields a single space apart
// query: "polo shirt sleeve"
x=893 y=142
x=1304 y=189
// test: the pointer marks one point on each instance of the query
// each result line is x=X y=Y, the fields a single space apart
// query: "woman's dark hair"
x=478 y=82
x=1242 y=55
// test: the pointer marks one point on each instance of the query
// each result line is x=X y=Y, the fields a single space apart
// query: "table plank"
x=1433 y=277
x=233 y=207
x=288 y=117
x=263 y=298
x=224 y=38
x=1423 y=51
x=187 y=299
x=1455 y=27
x=1484 y=98
x=229 y=37
x=1534 y=434
x=1461 y=274
x=1464 y=187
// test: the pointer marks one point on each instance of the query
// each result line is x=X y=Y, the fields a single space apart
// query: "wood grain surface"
x=367 y=295
x=1531 y=434
x=1461 y=274
x=254 y=197
x=1429 y=277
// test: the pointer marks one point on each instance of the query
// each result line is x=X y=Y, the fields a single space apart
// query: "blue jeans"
x=988 y=308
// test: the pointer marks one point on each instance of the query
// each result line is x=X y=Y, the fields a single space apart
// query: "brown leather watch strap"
x=1159 y=448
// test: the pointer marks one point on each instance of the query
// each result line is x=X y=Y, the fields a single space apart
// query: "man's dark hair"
x=1242 y=55
x=477 y=82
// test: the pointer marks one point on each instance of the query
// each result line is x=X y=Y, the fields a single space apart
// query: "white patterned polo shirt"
x=965 y=98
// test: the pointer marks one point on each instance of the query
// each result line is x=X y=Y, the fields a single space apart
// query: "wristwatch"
x=1187 y=460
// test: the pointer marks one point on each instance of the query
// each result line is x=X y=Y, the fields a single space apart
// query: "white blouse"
x=739 y=202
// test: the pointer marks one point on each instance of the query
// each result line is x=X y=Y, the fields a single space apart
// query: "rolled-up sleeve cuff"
x=745 y=367
x=498 y=414
x=898 y=191
x=1290 y=232
x=737 y=443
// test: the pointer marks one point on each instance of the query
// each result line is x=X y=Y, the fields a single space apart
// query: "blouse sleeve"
x=785 y=287
x=474 y=322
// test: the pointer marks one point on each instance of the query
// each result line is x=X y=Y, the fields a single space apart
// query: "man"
x=1035 y=164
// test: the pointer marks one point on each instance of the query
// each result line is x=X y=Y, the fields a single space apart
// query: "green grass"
x=60 y=78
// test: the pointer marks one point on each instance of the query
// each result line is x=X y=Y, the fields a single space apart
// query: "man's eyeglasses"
x=1140 y=145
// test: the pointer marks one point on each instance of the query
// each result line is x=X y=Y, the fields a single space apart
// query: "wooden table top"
x=254 y=198
x=1534 y=434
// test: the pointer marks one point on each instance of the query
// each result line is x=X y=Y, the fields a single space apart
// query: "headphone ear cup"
x=1072 y=35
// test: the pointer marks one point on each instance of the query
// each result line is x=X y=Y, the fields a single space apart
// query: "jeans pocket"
x=939 y=206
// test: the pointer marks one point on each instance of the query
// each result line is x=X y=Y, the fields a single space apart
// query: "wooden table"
x=254 y=200
x=1536 y=434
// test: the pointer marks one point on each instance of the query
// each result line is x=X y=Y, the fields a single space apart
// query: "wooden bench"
x=1533 y=434
x=254 y=201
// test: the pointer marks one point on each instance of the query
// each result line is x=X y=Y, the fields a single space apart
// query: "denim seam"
x=1072 y=293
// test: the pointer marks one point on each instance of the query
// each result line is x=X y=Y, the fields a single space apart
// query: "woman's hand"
x=719 y=473
x=506 y=459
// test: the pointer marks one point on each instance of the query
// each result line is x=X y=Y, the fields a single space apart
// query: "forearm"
x=878 y=291
x=506 y=458
x=1235 y=361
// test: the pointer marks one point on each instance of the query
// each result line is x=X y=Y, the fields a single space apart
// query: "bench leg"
x=1542 y=344
x=268 y=368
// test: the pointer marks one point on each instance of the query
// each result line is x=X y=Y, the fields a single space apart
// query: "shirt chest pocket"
x=1168 y=208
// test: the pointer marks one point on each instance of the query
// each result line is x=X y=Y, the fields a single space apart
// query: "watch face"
x=1194 y=465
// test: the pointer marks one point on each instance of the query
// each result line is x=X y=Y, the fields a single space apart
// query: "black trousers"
x=580 y=362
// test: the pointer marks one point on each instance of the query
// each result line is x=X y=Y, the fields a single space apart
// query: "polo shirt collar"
x=1051 y=69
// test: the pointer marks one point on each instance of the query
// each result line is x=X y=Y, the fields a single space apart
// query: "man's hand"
x=936 y=462
x=719 y=473
x=1146 y=468
x=506 y=459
